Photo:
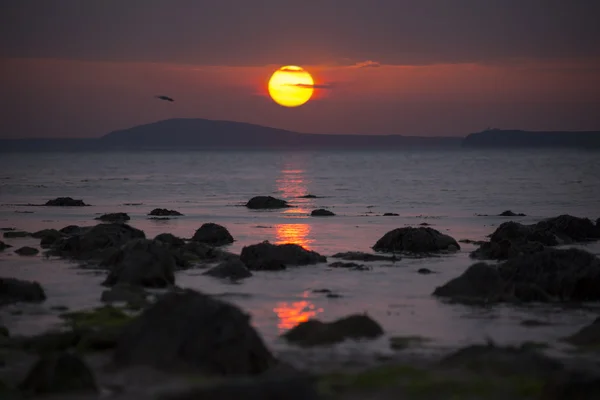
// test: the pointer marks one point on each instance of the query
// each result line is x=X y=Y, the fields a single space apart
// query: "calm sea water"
x=445 y=188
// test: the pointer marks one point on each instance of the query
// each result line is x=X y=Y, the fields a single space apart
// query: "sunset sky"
x=74 y=68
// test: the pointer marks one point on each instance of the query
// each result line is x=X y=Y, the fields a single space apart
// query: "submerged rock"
x=96 y=242
x=509 y=213
x=389 y=214
x=141 y=262
x=480 y=282
x=202 y=334
x=16 y=234
x=57 y=373
x=366 y=257
x=233 y=269
x=321 y=212
x=416 y=240
x=267 y=256
x=213 y=234
x=266 y=202
x=15 y=290
x=170 y=239
x=27 y=251
x=309 y=196
x=349 y=265
x=65 y=202
x=588 y=336
x=163 y=212
x=317 y=333
x=114 y=217
x=4 y=246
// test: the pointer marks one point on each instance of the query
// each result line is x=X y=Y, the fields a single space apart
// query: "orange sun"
x=291 y=86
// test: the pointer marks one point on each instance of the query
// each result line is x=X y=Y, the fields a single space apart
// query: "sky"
x=73 y=68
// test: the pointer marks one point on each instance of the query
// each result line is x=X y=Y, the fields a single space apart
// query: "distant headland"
x=196 y=133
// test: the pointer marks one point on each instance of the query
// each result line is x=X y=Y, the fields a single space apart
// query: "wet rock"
x=266 y=256
x=16 y=234
x=6 y=229
x=391 y=215
x=509 y=213
x=170 y=239
x=321 y=212
x=72 y=230
x=366 y=257
x=575 y=385
x=317 y=333
x=96 y=242
x=424 y=271
x=59 y=373
x=134 y=295
x=27 y=251
x=349 y=265
x=233 y=269
x=480 y=282
x=416 y=240
x=47 y=237
x=266 y=202
x=141 y=262
x=4 y=246
x=309 y=196
x=114 y=217
x=163 y=212
x=424 y=224
x=503 y=360
x=570 y=229
x=213 y=234
x=202 y=334
x=65 y=202
x=588 y=336
x=15 y=290
x=201 y=252
x=505 y=249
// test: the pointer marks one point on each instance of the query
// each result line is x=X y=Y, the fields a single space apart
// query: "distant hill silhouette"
x=196 y=133
x=497 y=138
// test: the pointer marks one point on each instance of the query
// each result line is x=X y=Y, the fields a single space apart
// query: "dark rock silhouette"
x=213 y=234
x=170 y=239
x=72 y=230
x=202 y=334
x=163 y=212
x=141 y=262
x=264 y=256
x=47 y=237
x=580 y=385
x=366 y=257
x=309 y=196
x=27 y=251
x=560 y=275
x=166 y=98
x=4 y=246
x=509 y=213
x=201 y=252
x=15 y=290
x=65 y=202
x=232 y=269
x=16 y=234
x=424 y=271
x=59 y=373
x=588 y=336
x=266 y=202
x=96 y=242
x=321 y=212
x=349 y=265
x=114 y=217
x=317 y=333
x=416 y=240
x=388 y=214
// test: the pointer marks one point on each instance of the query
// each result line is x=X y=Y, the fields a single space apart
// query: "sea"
x=459 y=192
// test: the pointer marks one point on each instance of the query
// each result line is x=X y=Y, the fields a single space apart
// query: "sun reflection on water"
x=294 y=313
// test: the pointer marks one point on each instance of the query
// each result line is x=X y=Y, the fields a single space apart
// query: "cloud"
x=287 y=69
x=314 y=86
x=367 y=64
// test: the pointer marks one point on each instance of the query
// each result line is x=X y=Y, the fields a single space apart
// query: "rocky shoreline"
x=183 y=344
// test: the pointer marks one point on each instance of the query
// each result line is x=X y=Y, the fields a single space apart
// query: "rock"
x=15 y=290
x=317 y=333
x=4 y=246
x=233 y=269
x=424 y=224
x=193 y=252
x=133 y=295
x=509 y=213
x=416 y=240
x=48 y=237
x=265 y=256
x=96 y=242
x=505 y=249
x=575 y=385
x=570 y=229
x=348 y=265
x=321 y=212
x=141 y=262
x=72 y=230
x=27 y=251
x=114 y=217
x=480 y=282
x=16 y=234
x=309 y=196
x=366 y=257
x=588 y=336
x=475 y=242
x=58 y=373
x=202 y=334
x=266 y=202
x=213 y=234
x=163 y=212
x=170 y=239
x=4 y=332
x=391 y=215
x=513 y=361
x=424 y=271
x=65 y=202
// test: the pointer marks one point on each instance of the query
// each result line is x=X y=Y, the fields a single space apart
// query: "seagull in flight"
x=167 y=98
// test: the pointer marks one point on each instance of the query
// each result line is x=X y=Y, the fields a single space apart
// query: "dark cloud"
x=240 y=32
x=367 y=64
x=287 y=69
x=314 y=86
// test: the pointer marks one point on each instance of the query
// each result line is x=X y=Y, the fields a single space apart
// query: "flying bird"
x=167 y=98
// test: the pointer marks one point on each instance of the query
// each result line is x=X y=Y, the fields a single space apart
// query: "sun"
x=291 y=86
